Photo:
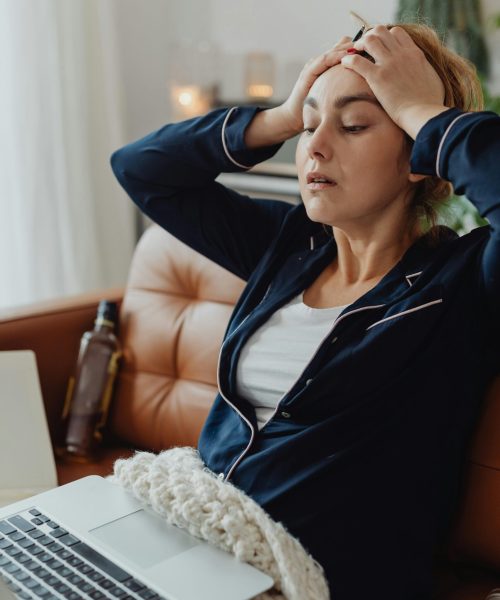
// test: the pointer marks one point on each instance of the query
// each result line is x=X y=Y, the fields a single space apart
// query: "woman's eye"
x=347 y=128
x=354 y=128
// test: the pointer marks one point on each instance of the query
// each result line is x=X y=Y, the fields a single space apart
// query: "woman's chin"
x=317 y=211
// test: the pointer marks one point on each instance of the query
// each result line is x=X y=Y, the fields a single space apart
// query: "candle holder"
x=259 y=76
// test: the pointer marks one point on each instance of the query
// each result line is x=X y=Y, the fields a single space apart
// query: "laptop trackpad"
x=144 y=538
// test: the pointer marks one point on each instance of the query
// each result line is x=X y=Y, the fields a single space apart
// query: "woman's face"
x=357 y=146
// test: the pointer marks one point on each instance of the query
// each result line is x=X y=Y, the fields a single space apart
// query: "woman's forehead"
x=338 y=81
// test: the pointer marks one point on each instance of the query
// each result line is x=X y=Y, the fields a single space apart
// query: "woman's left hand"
x=402 y=79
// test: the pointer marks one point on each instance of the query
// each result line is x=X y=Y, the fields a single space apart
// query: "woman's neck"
x=361 y=261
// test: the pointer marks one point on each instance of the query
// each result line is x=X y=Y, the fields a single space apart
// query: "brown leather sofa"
x=173 y=314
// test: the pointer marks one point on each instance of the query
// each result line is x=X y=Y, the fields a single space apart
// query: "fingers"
x=345 y=39
x=402 y=37
x=316 y=66
x=359 y=64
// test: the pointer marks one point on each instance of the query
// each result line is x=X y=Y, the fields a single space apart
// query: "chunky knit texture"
x=177 y=485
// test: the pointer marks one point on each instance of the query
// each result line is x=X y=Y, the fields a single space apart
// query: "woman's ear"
x=415 y=177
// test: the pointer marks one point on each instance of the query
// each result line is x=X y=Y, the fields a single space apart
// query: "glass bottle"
x=90 y=388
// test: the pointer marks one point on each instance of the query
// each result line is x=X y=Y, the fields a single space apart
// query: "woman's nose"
x=319 y=145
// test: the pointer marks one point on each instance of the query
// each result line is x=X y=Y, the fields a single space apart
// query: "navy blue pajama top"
x=363 y=458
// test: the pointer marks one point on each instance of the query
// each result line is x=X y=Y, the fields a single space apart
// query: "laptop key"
x=97 y=595
x=86 y=569
x=45 y=540
x=52 y=524
x=5 y=543
x=4 y=561
x=21 y=575
x=36 y=533
x=36 y=521
x=117 y=592
x=95 y=576
x=21 y=523
x=26 y=543
x=55 y=547
x=69 y=540
x=134 y=585
x=13 y=551
x=31 y=565
x=35 y=550
x=40 y=591
x=41 y=573
x=17 y=536
x=30 y=583
x=54 y=564
x=65 y=554
x=59 y=532
x=35 y=512
x=12 y=568
x=22 y=558
x=45 y=557
x=6 y=528
x=74 y=561
x=100 y=561
x=147 y=594
x=106 y=583
x=65 y=572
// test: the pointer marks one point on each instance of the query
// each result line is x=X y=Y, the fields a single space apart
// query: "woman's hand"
x=292 y=108
x=402 y=79
x=283 y=122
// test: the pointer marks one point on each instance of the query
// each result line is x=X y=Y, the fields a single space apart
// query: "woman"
x=353 y=366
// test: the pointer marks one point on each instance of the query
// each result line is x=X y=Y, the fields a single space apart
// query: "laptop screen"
x=27 y=465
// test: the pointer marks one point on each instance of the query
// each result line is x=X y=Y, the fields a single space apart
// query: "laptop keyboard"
x=40 y=559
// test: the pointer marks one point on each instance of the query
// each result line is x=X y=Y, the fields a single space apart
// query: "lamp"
x=192 y=82
x=189 y=101
x=259 y=75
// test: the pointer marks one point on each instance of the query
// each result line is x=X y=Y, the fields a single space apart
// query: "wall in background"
x=292 y=31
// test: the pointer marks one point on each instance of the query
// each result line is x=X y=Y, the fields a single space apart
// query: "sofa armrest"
x=52 y=329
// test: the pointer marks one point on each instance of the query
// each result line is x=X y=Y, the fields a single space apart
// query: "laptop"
x=27 y=466
x=92 y=539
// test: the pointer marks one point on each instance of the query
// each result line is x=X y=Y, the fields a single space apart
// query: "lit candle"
x=189 y=101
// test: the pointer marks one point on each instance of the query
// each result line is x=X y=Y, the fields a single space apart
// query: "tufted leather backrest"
x=174 y=314
x=476 y=535
x=175 y=310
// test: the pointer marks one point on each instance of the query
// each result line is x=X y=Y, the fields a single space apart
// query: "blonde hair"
x=462 y=90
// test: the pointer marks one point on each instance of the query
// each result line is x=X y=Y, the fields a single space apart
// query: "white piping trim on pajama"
x=412 y=275
x=438 y=157
x=224 y=141
x=405 y=312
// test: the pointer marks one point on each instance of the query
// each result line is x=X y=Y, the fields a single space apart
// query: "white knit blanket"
x=177 y=485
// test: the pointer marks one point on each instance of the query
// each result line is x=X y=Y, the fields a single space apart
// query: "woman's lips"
x=320 y=185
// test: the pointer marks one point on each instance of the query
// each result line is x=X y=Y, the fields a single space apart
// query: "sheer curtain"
x=65 y=225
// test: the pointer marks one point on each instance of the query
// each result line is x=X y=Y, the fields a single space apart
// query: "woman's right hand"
x=278 y=124
x=291 y=109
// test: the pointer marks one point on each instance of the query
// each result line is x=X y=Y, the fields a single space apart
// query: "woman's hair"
x=462 y=90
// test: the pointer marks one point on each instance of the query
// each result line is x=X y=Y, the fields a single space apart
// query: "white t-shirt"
x=274 y=357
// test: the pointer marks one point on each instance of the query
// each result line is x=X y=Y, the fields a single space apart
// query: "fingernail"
x=351 y=50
